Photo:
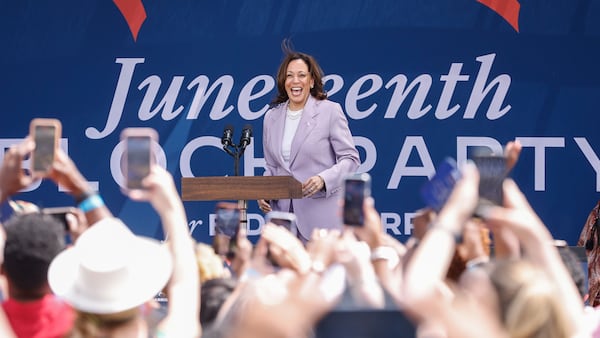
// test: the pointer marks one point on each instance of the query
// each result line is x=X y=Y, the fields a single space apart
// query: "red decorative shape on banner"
x=507 y=9
x=134 y=13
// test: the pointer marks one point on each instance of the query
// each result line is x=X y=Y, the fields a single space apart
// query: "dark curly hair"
x=32 y=241
x=313 y=68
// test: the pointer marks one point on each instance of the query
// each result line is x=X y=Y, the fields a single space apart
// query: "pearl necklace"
x=294 y=114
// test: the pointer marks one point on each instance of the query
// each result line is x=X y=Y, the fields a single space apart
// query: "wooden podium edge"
x=215 y=188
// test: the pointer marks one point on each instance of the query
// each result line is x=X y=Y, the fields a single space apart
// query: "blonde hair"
x=92 y=325
x=529 y=306
x=210 y=265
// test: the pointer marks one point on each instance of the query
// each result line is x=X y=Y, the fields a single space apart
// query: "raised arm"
x=183 y=289
x=64 y=172
x=537 y=244
x=428 y=266
x=384 y=255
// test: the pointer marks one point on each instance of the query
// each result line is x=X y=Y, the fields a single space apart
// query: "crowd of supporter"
x=500 y=274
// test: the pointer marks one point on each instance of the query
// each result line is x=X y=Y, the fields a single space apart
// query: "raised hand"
x=65 y=173
x=12 y=176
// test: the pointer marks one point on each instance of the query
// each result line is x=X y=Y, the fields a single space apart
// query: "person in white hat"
x=31 y=309
x=110 y=273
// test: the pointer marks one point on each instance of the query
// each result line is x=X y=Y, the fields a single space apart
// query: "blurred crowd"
x=497 y=274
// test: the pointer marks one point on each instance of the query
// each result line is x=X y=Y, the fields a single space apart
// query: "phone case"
x=356 y=188
x=492 y=172
x=436 y=191
x=139 y=143
x=60 y=213
x=46 y=134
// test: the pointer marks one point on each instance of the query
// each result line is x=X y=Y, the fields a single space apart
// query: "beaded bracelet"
x=91 y=203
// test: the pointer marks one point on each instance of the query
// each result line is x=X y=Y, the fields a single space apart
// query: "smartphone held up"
x=227 y=227
x=492 y=172
x=46 y=134
x=283 y=219
x=357 y=187
x=60 y=214
x=138 y=155
x=227 y=218
x=436 y=191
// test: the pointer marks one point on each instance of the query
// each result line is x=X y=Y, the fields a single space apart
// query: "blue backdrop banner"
x=418 y=80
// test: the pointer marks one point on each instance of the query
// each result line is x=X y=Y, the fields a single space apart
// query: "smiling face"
x=298 y=82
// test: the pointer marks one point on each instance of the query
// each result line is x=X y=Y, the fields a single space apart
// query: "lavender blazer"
x=323 y=146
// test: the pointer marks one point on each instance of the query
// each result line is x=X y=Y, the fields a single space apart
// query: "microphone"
x=246 y=135
x=227 y=134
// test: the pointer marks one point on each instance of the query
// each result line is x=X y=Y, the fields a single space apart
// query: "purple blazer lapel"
x=277 y=130
x=307 y=124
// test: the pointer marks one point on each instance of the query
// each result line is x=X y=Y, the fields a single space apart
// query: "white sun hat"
x=110 y=269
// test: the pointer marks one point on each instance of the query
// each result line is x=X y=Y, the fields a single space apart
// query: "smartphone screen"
x=283 y=219
x=138 y=160
x=227 y=224
x=227 y=221
x=356 y=188
x=436 y=191
x=45 y=145
x=492 y=172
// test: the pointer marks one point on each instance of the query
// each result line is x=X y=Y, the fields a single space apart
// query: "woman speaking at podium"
x=307 y=136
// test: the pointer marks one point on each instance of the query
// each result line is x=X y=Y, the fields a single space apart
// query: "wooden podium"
x=219 y=188
x=240 y=188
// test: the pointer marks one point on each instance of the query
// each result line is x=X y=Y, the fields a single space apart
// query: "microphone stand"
x=236 y=151
x=236 y=154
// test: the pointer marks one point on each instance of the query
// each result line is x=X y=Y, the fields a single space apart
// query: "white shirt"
x=292 y=120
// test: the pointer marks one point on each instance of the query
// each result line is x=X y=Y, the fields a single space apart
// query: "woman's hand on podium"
x=264 y=206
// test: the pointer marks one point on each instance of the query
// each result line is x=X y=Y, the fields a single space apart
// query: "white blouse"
x=292 y=120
